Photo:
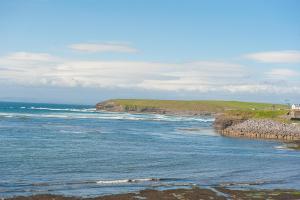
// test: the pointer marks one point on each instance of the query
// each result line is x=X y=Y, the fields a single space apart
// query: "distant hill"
x=187 y=107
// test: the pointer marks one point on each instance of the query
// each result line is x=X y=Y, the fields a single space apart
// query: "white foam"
x=63 y=109
x=282 y=147
x=92 y=114
x=113 y=182
x=121 y=181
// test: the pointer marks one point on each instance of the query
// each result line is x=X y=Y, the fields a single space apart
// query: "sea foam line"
x=62 y=109
x=121 y=181
x=100 y=115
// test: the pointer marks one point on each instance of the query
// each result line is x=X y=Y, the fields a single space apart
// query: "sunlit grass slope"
x=202 y=105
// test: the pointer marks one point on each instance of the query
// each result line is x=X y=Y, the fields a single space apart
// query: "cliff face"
x=223 y=121
x=112 y=106
x=109 y=106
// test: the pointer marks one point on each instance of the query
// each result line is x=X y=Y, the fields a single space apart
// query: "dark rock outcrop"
x=223 y=121
x=112 y=106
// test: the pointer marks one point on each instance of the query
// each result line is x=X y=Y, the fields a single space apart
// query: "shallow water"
x=74 y=150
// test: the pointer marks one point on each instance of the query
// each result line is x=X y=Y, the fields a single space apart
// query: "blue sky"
x=86 y=51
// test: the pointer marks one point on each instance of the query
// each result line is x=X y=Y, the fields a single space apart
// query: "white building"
x=295 y=112
x=296 y=107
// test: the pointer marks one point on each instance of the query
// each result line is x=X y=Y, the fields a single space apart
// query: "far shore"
x=232 y=118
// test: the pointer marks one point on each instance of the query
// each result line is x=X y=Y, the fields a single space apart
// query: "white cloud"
x=264 y=88
x=199 y=76
x=276 y=56
x=117 y=73
x=282 y=74
x=27 y=56
x=205 y=86
x=104 y=47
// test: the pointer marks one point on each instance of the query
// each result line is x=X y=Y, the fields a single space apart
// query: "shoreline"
x=196 y=193
x=232 y=119
x=257 y=129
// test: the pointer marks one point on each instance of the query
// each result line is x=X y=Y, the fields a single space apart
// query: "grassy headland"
x=200 y=106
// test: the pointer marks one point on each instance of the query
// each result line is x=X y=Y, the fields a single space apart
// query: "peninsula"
x=232 y=118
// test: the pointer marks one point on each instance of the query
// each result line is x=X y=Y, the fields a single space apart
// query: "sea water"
x=76 y=150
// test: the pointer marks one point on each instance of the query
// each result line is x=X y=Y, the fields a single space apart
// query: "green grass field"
x=261 y=109
x=278 y=115
x=236 y=109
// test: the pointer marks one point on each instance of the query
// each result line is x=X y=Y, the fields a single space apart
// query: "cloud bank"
x=282 y=74
x=36 y=69
x=275 y=57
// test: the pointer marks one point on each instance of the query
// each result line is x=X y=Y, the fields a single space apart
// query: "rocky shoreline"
x=264 y=129
x=195 y=193
x=256 y=128
x=233 y=126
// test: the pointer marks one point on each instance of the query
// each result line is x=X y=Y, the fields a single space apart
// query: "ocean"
x=78 y=151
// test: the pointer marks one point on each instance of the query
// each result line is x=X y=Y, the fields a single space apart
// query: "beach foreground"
x=183 y=194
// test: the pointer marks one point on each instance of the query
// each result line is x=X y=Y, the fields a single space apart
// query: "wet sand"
x=183 y=194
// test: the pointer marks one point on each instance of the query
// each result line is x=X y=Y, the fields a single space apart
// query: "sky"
x=86 y=51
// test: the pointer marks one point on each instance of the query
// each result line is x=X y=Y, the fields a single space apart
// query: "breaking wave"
x=60 y=109
x=121 y=181
x=101 y=115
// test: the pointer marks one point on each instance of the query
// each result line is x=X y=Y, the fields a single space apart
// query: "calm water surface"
x=74 y=150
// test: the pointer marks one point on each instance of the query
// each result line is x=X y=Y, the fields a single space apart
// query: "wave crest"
x=121 y=181
x=104 y=116
x=61 y=109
